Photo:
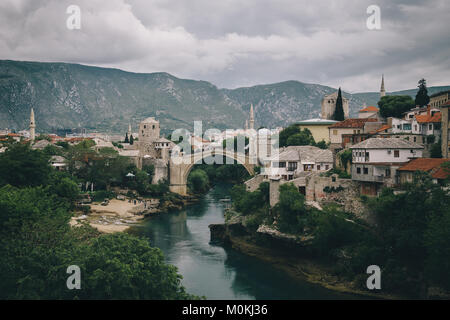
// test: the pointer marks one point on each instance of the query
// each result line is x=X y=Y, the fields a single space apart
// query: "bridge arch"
x=179 y=170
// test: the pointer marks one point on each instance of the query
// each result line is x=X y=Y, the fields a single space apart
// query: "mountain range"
x=77 y=96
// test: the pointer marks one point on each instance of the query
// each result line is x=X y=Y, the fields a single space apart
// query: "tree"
x=131 y=140
x=126 y=138
x=435 y=150
x=198 y=181
x=21 y=166
x=422 y=98
x=339 y=111
x=37 y=244
x=290 y=209
x=286 y=133
x=303 y=138
x=395 y=106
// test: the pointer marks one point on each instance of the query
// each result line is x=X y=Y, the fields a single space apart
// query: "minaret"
x=32 y=126
x=252 y=118
x=382 y=91
x=129 y=131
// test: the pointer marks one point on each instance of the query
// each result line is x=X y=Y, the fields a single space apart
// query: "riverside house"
x=292 y=161
x=375 y=161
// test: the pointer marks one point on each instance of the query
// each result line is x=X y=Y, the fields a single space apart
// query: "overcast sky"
x=234 y=43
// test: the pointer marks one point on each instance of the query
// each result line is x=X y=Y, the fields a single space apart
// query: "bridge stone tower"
x=149 y=132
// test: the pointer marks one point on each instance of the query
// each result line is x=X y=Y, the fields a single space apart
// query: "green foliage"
x=436 y=150
x=395 y=106
x=339 y=111
x=37 y=245
x=346 y=157
x=290 y=209
x=422 y=98
x=250 y=202
x=341 y=173
x=328 y=189
x=294 y=136
x=132 y=140
x=198 y=181
x=127 y=140
x=286 y=133
x=52 y=150
x=21 y=166
x=322 y=144
x=101 y=195
x=303 y=138
x=63 y=144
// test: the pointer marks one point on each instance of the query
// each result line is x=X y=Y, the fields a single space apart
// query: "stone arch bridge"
x=181 y=166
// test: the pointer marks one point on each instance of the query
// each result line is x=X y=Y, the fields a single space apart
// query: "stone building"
x=329 y=106
x=153 y=149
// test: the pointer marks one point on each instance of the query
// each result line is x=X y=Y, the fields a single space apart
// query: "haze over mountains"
x=72 y=95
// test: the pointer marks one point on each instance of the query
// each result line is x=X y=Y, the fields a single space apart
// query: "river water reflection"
x=216 y=272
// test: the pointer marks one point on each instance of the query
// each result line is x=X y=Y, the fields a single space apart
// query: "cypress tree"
x=339 y=111
x=422 y=98
x=126 y=138
x=131 y=140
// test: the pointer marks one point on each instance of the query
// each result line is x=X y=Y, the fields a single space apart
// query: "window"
x=388 y=172
x=396 y=153
x=430 y=127
x=358 y=170
x=406 y=126
x=145 y=127
x=153 y=127
x=327 y=167
x=318 y=167
x=366 y=170
x=335 y=132
x=282 y=165
x=415 y=139
x=389 y=152
x=292 y=166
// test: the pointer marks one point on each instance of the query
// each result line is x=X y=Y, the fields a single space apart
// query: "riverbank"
x=120 y=215
x=284 y=254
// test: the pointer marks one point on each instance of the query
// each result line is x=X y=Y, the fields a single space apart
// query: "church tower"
x=32 y=126
x=382 y=91
x=252 y=118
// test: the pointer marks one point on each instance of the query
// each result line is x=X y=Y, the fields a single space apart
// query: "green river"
x=220 y=272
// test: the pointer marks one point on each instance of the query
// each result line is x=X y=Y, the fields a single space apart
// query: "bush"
x=101 y=195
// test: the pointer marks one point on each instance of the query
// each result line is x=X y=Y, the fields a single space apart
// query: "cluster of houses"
x=383 y=152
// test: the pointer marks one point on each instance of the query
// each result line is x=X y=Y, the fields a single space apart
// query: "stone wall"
x=344 y=192
x=253 y=183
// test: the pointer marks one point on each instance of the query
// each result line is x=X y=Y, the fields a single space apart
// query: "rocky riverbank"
x=287 y=253
x=120 y=215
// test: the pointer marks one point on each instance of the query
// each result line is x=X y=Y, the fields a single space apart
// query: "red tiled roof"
x=432 y=165
x=425 y=118
x=441 y=173
x=369 y=109
x=385 y=127
x=352 y=123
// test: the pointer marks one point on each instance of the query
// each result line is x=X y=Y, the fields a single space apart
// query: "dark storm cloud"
x=240 y=42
